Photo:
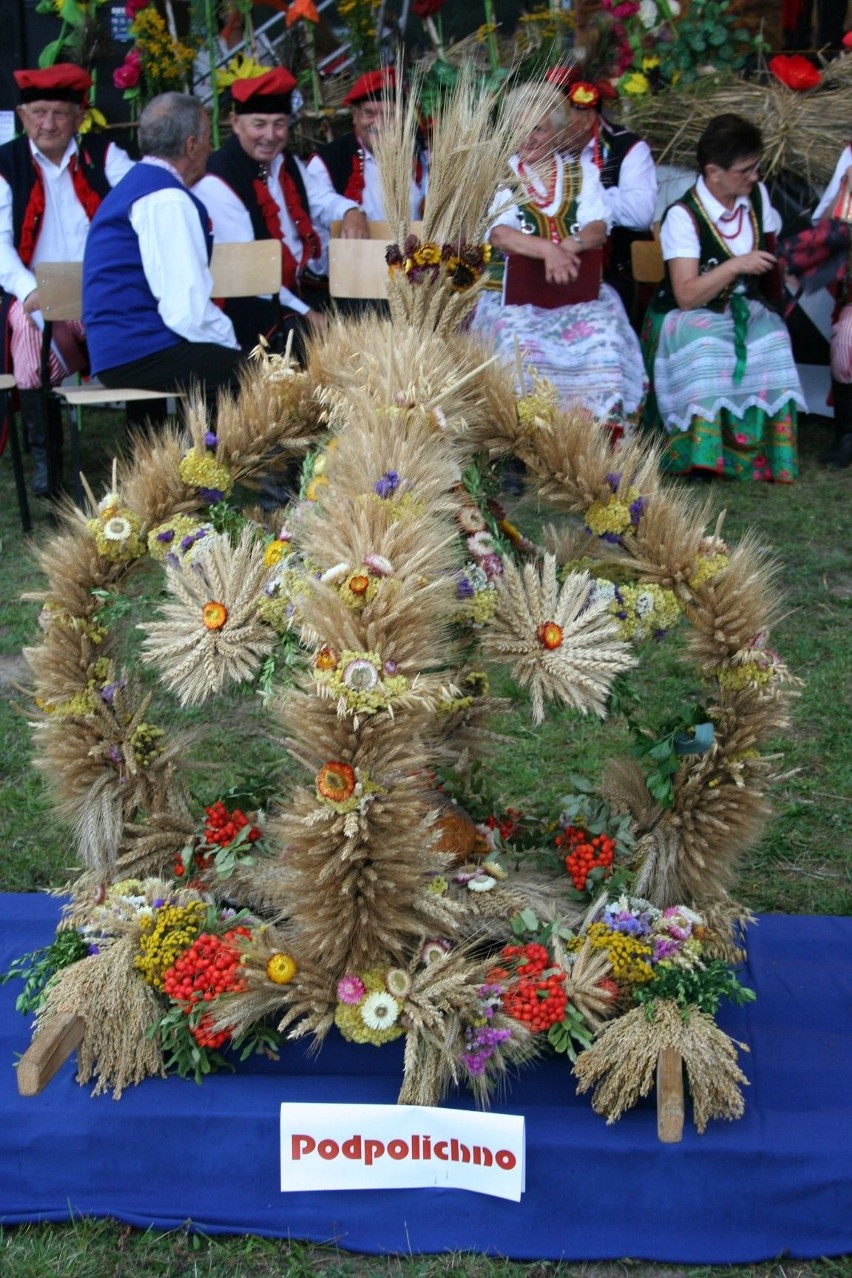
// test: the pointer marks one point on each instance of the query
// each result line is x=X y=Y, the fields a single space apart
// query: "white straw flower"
x=379 y=1011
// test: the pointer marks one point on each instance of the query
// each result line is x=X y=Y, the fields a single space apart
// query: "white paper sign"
x=401 y=1147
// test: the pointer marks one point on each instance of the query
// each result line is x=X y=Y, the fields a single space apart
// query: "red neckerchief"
x=89 y=200
x=290 y=268
x=32 y=219
x=354 y=189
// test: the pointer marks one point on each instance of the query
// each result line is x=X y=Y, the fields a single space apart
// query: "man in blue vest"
x=51 y=183
x=149 y=317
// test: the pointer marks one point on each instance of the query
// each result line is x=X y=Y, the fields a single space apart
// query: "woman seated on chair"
x=726 y=386
x=587 y=349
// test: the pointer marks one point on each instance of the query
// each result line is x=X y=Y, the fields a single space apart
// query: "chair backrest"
x=246 y=270
x=357 y=268
x=60 y=289
x=238 y=270
x=646 y=259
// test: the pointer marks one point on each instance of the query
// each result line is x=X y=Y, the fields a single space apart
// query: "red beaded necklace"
x=736 y=215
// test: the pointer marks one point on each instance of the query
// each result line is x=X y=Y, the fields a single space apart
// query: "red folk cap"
x=267 y=94
x=65 y=82
x=372 y=84
x=584 y=96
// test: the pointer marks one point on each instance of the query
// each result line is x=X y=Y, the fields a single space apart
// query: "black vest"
x=239 y=171
x=18 y=168
x=340 y=157
x=712 y=250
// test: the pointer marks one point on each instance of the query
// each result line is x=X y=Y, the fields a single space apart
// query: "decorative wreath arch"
x=370 y=901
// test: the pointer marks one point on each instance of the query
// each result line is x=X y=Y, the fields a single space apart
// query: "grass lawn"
x=801 y=865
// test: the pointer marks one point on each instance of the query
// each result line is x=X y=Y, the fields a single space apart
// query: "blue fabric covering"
x=778 y=1181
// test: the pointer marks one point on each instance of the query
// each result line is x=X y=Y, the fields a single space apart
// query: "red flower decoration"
x=794 y=71
x=427 y=8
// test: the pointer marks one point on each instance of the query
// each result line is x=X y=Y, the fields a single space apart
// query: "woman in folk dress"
x=725 y=381
x=586 y=349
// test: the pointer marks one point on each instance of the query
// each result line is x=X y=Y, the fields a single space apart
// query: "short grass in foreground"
x=800 y=866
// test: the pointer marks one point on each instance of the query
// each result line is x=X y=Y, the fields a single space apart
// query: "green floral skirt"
x=754 y=446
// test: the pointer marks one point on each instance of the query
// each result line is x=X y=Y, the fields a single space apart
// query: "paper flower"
x=795 y=71
x=561 y=644
x=211 y=634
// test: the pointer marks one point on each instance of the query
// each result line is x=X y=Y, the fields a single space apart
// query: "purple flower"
x=110 y=689
x=159 y=903
x=211 y=439
x=387 y=485
x=187 y=542
x=166 y=536
x=94 y=949
x=171 y=559
x=613 y=478
x=664 y=949
x=464 y=590
x=637 y=509
x=210 y=495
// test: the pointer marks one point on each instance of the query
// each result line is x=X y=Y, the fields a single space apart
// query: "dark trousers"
x=205 y=365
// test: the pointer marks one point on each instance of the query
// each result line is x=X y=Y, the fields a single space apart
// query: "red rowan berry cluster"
x=538 y=997
x=586 y=853
x=507 y=827
x=208 y=968
x=222 y=826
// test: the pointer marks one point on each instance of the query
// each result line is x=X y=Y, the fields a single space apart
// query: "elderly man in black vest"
x=255 y=189
x=348 y=165
x=627 y=170
x=51 y=183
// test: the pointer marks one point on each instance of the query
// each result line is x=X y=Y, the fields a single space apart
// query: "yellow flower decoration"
x=281 y=968
x=635 y=84
x=242 y=67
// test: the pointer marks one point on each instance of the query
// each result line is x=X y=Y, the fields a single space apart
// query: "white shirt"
x=174 y=259
x=372 y=198
x=64 y=227
x=633 y=201
x=232 y=221
x=829 y=199
x=679 y=237
x=591 y=205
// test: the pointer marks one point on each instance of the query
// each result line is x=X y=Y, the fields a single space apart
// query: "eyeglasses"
x=746 y=169
x=60 y=114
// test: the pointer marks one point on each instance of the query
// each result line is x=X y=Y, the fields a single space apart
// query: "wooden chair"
x=238 y=270
x=7 y=386
x=357 y=268
x=646 y=259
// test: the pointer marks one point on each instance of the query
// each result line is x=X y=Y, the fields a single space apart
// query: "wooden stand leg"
x=48 y=1050
x=670 y=1096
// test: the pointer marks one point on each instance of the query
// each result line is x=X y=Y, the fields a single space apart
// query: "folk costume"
x=248 y=200
x=146 y=288
x=45 y=212
x=587 y=349
x=348 y=166
x=629 y=178
x=726 y=386
x=837 y=203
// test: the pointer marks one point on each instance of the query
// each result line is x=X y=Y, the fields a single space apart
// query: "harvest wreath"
x=366 y=612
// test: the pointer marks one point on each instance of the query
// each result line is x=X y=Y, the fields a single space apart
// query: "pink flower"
x=350 y=989
x=492 y=566
x=127 y=76
x=132 y=7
